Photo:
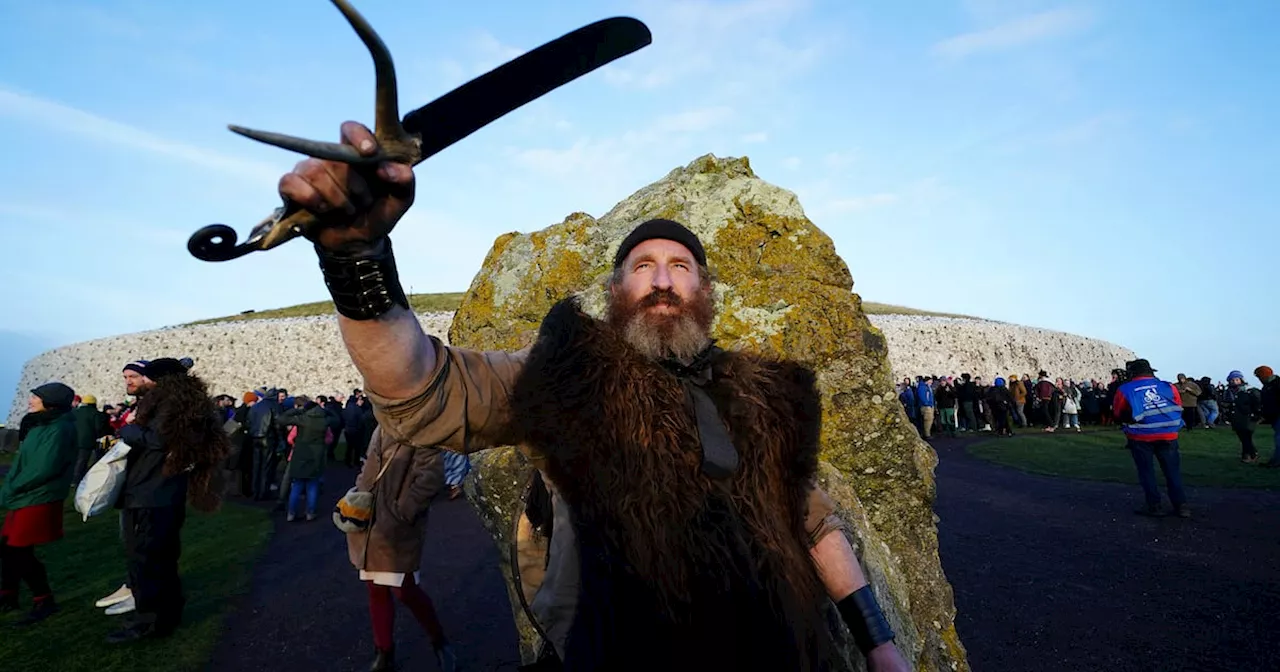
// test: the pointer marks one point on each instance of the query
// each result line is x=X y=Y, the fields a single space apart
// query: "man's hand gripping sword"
x=431 y=128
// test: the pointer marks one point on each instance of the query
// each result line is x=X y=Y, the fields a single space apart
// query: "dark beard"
x=680 y=335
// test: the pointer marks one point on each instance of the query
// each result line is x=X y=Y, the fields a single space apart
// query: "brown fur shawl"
x=181 y=411
x=678 y=571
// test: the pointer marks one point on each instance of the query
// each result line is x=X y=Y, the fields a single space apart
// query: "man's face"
x=135 y=383
x=281 y=396
x=661 y=301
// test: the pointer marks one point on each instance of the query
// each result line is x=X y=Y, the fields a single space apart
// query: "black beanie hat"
x=55 y=395
x=666 y=230
x=165 y=366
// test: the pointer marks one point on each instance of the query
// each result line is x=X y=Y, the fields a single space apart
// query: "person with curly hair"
x=178 y=445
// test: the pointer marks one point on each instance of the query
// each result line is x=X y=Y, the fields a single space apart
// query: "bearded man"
x=177 y=446
x=686 y=474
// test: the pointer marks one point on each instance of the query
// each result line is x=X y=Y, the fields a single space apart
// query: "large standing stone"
x=782 y=289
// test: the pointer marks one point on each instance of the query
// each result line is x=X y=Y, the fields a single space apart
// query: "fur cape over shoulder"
x=181 y=411
x=678 y=570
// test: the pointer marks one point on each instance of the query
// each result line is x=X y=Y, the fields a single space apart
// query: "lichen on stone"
x=781 y=289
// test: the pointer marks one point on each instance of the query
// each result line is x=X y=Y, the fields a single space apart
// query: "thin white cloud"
x=1015 y=33
x=791 y=163
x=608 y=164
x=479 y=53
x=755 y=138
x=739 y=44
x=842 y=206
x=55 y=116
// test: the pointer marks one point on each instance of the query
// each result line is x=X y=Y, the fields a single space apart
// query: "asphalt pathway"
x=1060 y=574
x=1048 y=573
x=308 y=610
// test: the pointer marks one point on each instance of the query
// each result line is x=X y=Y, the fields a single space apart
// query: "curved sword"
x=435 y=126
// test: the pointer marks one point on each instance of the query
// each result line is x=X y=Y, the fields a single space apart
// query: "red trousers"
x=383 y=613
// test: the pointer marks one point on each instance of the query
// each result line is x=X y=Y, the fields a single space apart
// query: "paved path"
x=308 y=610
x=1060 y=574
x=1049 y=574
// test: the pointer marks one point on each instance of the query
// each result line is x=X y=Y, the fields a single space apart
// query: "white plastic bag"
x=100 y=487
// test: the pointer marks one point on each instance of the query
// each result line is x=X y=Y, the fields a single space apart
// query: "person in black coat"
x=177 y=448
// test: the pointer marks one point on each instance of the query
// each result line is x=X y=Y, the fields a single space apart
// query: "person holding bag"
x=385 y=519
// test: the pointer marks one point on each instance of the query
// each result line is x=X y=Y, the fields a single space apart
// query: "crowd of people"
x=269 y=446
x=952 y=405
x=1151 y=423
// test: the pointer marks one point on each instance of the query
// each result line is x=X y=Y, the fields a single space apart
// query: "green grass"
x=449 y=301
x=422 y=303
x=873 y=308
x=218 y=552
x=1210 y=458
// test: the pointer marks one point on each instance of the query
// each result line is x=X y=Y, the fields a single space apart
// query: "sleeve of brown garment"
x=820 y=518
x=463 y=406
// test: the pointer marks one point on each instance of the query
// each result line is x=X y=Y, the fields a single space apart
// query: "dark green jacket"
x=42 y=472
x=308 y=448
x=91 y=425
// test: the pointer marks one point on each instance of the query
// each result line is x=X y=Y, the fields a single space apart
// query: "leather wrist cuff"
x=861 y=614
x=365 y=285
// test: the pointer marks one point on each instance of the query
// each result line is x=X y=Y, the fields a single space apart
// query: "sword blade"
x=479 y=102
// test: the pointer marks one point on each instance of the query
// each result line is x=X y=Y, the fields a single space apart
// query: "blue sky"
x=1101 y=168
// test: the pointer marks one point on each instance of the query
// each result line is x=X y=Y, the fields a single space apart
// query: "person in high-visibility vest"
x=1150 y=411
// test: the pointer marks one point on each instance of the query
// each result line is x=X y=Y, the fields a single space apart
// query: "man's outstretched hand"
x=355 y=210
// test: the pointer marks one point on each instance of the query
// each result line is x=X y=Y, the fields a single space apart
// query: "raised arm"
x=424 y=393
x=357 y=211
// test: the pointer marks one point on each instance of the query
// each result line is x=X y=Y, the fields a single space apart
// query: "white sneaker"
x=122 y=607
x=122 y=593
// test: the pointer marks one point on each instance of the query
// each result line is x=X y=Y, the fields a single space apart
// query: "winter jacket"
x=924 y=394
x=1271 y=402
x=945 y=397
x=402 y=498
x=1018 y=391
x=999 y=399
x=91 y=425
x=42 y=471
x=263 y=421
x=1246 y=407
x=309 y=450
x=145 y=485
x=1045 y=389
x=1190 y=392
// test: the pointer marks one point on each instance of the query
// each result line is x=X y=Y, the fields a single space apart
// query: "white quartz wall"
x=306 y=355
x=921 y=345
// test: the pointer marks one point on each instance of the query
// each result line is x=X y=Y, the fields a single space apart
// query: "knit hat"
x=664 y=229
x=89 y=399
x=55 y=395
x=1235 y=374
x=999 y=382
x=1264 y=372
x=165 y=366
x=250 y=397
x=139 y=367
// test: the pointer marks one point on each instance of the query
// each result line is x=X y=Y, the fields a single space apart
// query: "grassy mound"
x=449 y=302
x=1210 y=458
